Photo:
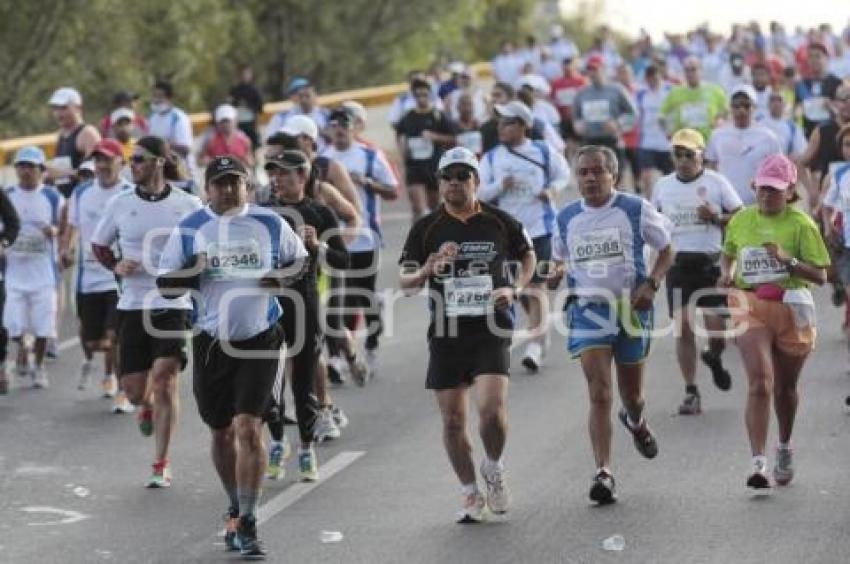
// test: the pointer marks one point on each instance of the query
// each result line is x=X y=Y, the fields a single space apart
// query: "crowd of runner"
x=714 y=166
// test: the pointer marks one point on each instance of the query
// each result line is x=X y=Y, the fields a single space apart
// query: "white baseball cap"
x=457 y=67
x=516 y=109
x=30 y=155
x=458 y=155
x=87 y=165
x=301 y=125
x=356 y=109
x=746 y=90
x=65 y=96
x=225 y=112
x=122 y=113
x=535 y=82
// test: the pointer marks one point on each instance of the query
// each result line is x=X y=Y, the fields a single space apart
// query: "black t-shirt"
x=417 y=151
x=828 y=150
x=489 y=245
x=247 y=96
x=809 y=87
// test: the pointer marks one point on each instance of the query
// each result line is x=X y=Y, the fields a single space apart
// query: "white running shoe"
x=472 y=509
x=783 y=469
x=359 y=370
x=533 y=358
x=85 y=374
x=326 y=428
x=39 y=378
x=122 y=405
x=340 y=418
x=498 y=493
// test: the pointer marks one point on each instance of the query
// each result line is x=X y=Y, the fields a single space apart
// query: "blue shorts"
x=543 y=251
x=594 y=325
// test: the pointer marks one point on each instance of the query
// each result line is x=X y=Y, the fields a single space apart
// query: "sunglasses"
x=140 y=159
x=460 y=176
x=684 y=154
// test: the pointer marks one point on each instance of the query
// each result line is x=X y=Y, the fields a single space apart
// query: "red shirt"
x=564 y=92
x=237 y=145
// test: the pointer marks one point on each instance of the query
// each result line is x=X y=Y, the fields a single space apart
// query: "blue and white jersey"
x=604 y=247
x=85 y=208
x=240 y=247
x=368 y=163
x=538 y=168
x=838 y=195
x=31 y=262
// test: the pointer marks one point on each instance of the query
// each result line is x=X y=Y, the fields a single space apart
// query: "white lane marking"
x=68 y=343
x=35 y=470
x=68 y=516
x=296 y=491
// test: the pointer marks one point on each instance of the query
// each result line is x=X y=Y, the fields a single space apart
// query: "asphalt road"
x=71 y=474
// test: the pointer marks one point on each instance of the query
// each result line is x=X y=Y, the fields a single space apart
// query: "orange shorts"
x=750 y=312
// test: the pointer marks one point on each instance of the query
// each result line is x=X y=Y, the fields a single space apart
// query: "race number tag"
x=596 y=110
x=685 y=218
x=468 y=296
x=695 y=114
x=566 y=97
x=471 y=140
x=239 y=259
x=601 y=246
x=244 y=114
x=815 y=108
x=30 y=244
x=758 y=267
x=421 y=149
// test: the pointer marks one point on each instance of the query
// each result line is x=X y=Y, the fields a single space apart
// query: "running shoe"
x=250 y=547
x=471 y=509
x=359 y=370
x=145 y=420
x=308 y=465
x=326 y=428
x=85 y=375
x=231 y=521
x=691 y=405
x=603 y=488
x=340 y=418
x=533 y=358
x=52 y=351
x=109 y=386
x=122 y=405
x=758 y=477
x=161 y=475
x=722 y=378
x=279 y=452
x=498 y=493
x=39 y=378
x=645 y=442
x=783 y=469
x=336 y=367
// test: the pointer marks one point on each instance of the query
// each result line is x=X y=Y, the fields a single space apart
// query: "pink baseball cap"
x=776 y=171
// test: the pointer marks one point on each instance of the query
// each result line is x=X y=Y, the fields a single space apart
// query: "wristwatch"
x=793 y=262
x=653 y=283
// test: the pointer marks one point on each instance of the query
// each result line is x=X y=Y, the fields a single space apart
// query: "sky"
x=658 y=16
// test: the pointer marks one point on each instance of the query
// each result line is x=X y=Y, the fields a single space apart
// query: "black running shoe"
x=603 y=489
x=645 y=442
x=334 y=376
x=231 y=519
x=250 y=548
x=721 y=376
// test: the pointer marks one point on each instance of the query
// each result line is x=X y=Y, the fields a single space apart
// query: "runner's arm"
x=341 y=180
x=11 y=220
x=344 y=209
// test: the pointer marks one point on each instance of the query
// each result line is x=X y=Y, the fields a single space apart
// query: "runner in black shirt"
x=423 y=134
x=467 y=252
x=289 y=173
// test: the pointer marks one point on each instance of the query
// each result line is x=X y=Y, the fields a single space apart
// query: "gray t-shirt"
x=595 y=105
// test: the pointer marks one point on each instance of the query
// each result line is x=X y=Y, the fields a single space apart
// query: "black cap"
x=288 y=159
x=222 y=166
x=340 y=116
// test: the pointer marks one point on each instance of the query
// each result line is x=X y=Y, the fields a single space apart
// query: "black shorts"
x=456 y=362
x=225 y=386
x=543 y=251
x=137 y=349
x=690 y=273
x=98 y=313
x=421 y=174
x=659 y=160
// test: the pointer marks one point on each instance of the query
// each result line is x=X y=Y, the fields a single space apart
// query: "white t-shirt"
x=240 y=248
x=141 y=226
x=544 y=110
x=479 y=104
x=537 y=216
x=604 y=247
x=738 y=153
x=679 y=201
x=838 y=195
x=507 y=68
x=31 y=260
x=762 y=109
x=174 y=126
x=85 y=208
x=369 y=163
x=648 y=101
x=790 y=135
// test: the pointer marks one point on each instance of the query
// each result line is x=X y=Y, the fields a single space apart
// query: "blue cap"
x=31 y=155
x=297 y=84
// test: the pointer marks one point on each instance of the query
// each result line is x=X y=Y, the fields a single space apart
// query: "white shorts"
x=30 y=311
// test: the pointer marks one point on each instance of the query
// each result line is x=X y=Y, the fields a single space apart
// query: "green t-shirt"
x=792 y=230
x=696 y=108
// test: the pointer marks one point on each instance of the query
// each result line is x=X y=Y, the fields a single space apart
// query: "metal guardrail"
x=372 y=96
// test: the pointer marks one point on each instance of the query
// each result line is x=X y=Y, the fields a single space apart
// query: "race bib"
x=244 y=115
x=468 y=296
x=603 y=246
x=685 y=218
x=815 y=109
x=30 y=244
x=596 y=110
x=471 y=140
x=421 y=149
x=239 y=259
x=758 y=267
x=566 y=97
x=694 y=114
